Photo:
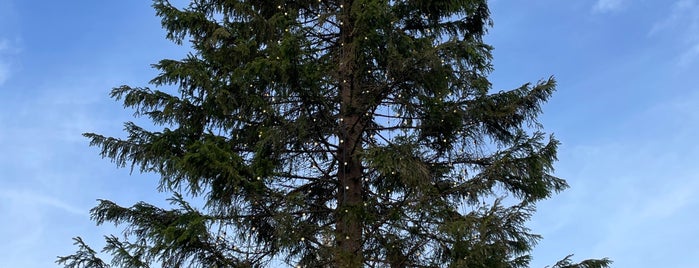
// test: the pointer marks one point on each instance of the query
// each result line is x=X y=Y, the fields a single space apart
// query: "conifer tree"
x=344 y=133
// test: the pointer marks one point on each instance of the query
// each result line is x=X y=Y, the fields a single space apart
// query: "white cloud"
x=681 y=25
x=48 y=184
x=689 y=56
x=631 y=192
x=4 y=66
x=608 y=5
x=6 y=50
x=682 y=15
x=671 y=201
x=4 y=72
x=34 y=200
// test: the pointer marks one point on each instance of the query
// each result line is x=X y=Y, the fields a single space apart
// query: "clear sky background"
x=626 y=111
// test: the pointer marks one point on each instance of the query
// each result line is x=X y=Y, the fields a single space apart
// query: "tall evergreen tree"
x=342 y=133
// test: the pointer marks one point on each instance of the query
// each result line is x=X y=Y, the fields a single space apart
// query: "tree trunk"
x=349 y=196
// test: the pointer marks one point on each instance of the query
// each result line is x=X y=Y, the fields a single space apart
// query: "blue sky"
x=626 y=111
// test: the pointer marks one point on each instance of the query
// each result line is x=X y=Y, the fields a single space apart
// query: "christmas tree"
x=321 y=133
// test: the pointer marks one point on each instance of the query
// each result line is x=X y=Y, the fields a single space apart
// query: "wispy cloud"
x=4 y=72
x=671 y=201
x=4 y=45
x=28 y=199
x=9 y=49
x=4 y=64
x=30 y=225
x=682 y=25
x=45 y=177
x=683 y=14
x=603 y=6
x=638 y=188
x=689 y=55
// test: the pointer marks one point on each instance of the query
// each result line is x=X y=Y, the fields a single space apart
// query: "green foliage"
x=84 y=257
x=330 y=134
x=567 y=263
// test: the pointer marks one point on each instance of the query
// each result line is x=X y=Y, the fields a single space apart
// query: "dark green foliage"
x=567 y=263
x=84 y=257
x=331 y=134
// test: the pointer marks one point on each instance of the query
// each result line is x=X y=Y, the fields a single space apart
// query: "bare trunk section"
x=349 y=197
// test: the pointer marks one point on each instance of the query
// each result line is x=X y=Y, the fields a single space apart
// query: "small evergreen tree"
x=322 y=133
